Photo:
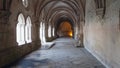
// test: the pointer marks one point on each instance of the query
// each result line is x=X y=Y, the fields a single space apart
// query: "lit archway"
x=65 y=29
x=28 y=30
x=42 y=33
x=53 y=33
x=49 y=31
x=20 y=33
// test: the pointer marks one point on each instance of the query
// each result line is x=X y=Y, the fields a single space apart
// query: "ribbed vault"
x=52 y=11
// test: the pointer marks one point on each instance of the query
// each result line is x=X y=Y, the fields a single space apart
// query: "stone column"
x=4 y=17
x=35 y=32
x=81 y=33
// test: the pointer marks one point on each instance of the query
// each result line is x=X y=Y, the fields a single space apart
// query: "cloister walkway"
x=63 y=54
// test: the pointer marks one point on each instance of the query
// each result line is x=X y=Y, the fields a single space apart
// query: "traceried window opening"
x=44 y=40
x=28 y=30
x=25 y=3
x=53 y=32
x=49 y=31
x=42 y=33
x=20 y=30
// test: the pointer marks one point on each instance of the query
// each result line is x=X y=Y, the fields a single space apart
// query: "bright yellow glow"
x=70 y=34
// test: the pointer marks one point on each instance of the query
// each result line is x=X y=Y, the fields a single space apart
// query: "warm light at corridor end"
x=70 y=34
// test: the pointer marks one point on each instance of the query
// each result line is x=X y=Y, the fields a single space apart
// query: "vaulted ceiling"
x=54 y=10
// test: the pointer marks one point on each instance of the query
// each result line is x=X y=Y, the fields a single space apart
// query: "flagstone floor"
x=63 y=54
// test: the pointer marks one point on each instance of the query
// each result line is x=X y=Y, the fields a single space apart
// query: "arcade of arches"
x=90 y=26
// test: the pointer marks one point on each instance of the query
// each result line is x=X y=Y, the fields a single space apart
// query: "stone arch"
x=65 y=29
x=61 y=20
x=43 y=4
x=42 y=32
x=58 y=16
x=28 y=27
x=20 y=35
x=58 y=9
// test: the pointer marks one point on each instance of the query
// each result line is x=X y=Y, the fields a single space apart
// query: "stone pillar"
x=4 y=17
x=35 y=32
x=81 y=33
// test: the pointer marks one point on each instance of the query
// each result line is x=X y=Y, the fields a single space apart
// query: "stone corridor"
x=63 y=54
x=92 y=25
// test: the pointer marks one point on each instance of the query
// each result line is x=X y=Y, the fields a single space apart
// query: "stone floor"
x=62 y=55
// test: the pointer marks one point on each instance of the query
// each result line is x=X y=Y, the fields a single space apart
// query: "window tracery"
x=28 y=30
x=25 y=2
x=20 y=30
x=42 y=33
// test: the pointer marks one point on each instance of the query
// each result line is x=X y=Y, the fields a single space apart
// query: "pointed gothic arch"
x=20 y=30
x=28 y=27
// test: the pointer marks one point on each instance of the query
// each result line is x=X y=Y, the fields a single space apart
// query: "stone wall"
x=9 y=49
x=102 y=35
